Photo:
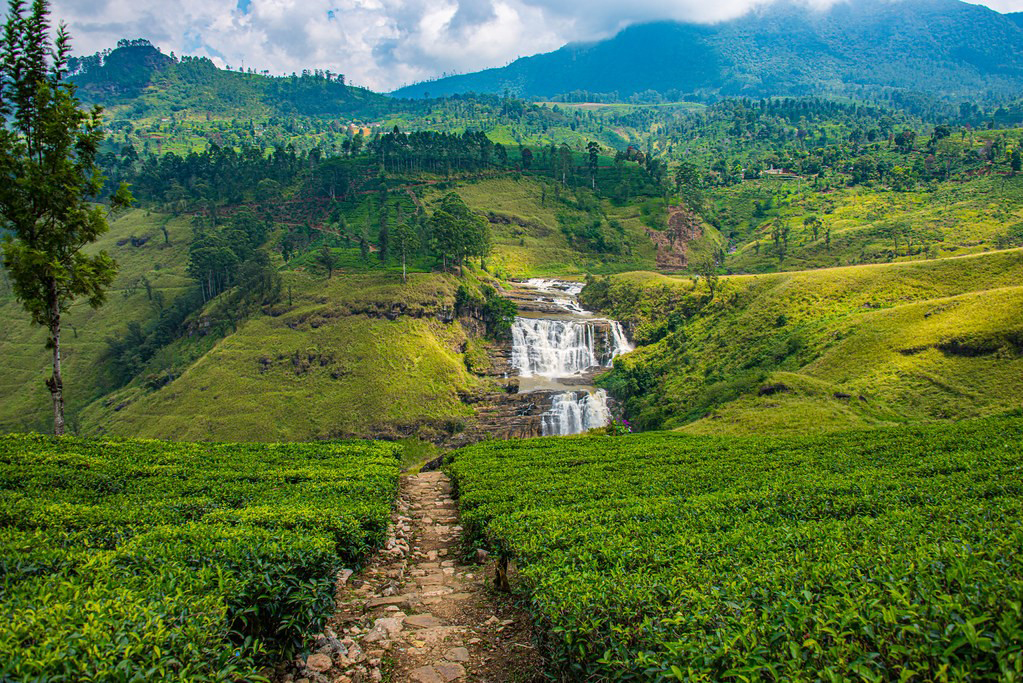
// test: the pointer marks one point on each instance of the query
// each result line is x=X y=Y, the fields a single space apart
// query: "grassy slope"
x=918 y=341
x=313 y=370
x=540 y=248
x=317 y=369
x=953 y=220
x=24 y=399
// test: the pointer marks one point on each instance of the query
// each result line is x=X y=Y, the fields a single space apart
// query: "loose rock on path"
x=417 y=613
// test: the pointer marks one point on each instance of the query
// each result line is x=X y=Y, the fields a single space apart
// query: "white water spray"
x=619 y=342
x=574 y=412
x=564 y=348
x=552 y=348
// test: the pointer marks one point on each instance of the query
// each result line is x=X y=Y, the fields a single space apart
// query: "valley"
x=691 y=352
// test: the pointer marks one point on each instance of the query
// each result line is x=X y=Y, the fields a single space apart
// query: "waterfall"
x=563 y=348
x=571 y=288
x=619 y=342
x=552 y=348
x=560 y=293
x=560 y=352
x=574 y=412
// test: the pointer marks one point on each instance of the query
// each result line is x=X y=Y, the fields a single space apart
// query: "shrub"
x=142 y=560
x=882 y=555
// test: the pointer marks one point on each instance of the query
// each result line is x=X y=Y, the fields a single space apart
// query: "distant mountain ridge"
x=137 y=73
x=941 y=47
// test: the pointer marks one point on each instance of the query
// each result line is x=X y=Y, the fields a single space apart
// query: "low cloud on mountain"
x=381 y=44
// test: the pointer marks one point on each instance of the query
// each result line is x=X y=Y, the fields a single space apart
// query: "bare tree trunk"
x=404 y=279
x=501 y=574
x=56 y=382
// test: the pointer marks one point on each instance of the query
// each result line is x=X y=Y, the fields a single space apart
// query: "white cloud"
x=378 y=43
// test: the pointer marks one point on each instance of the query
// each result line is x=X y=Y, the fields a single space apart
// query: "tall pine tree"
x=48 y=149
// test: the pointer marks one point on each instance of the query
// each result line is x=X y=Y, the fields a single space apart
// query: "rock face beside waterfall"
x=508 y=416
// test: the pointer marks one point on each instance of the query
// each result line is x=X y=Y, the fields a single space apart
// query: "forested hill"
x=138 y=75
x=945 y=48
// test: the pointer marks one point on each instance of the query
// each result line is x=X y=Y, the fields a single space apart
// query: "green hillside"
x=144 y=255
x=327 y=365
x=325 y=361
x=822 y=350
x=532 y=218
x=869 y=225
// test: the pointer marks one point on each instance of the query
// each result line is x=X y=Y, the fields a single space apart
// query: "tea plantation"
x=889 y=555
x=145 y=560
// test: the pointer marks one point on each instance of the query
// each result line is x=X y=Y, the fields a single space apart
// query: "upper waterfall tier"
x=563 y=348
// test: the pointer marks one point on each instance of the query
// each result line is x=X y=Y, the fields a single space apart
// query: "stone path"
x=417 y=613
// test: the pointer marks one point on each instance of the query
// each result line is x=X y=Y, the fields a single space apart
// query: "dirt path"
x=417 y=613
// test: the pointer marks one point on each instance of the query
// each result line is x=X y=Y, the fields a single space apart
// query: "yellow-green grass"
x=953 y=219
x=804 y=404
x=889 y=367
x=918 y=341
x=320 y=368
x=533 y=244
x=24 y=398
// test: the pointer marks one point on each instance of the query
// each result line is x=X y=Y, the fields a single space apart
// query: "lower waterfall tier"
x=574 y=412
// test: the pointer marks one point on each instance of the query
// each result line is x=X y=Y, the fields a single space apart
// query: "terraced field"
x=142 y=560
x=881 y=555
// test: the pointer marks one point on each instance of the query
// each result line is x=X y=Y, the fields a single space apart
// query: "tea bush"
x=888 y=555
x=145 y=560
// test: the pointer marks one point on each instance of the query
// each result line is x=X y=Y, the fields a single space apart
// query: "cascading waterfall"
x=552 y=348
x=574 y=412
x=563 y=348
x=619 y=342
x=567 y=347
x=560 y=293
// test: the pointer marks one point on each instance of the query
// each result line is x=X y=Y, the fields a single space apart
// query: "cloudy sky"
x=381 y=44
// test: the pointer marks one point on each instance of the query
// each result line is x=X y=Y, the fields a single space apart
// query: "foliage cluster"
x=131 y=560
x=495 y=310
x=877 y=555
